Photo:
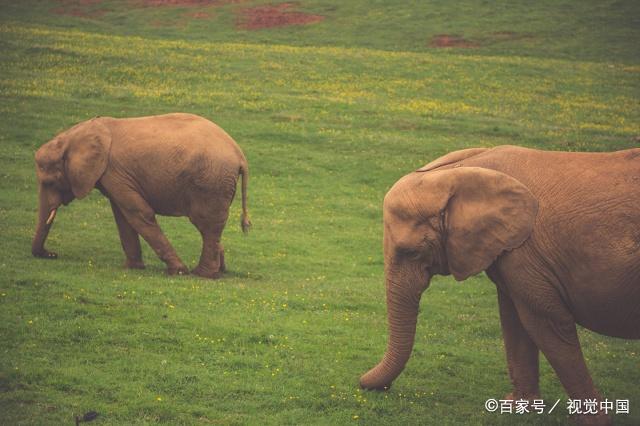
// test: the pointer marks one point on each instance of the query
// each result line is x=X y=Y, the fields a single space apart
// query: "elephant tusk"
x=52 y=215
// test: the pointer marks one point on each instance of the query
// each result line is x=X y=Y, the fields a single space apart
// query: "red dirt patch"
x=274 y=15
x=201 y=3
x=449 y=40
x=79 y=8
x=78 y=13
x=198 y=15
x=80 y=2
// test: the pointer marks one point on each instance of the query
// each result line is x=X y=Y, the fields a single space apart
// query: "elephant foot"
x=207 y=272
x=44 y=254
x=134 y=264
x=177 y=270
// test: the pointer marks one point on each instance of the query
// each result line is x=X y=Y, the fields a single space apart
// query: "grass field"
x=329 y=114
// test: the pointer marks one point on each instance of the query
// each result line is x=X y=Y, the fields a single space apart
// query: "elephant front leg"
x=129 y=240
x=521 y=351
x=553 y=329
x=142 y=219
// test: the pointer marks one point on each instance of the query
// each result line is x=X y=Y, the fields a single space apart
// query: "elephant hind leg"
x=211 y=263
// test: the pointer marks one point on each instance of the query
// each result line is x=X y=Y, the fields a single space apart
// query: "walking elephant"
x=557 y=232
x=173 y=164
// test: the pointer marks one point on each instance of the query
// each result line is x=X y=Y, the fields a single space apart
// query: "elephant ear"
x=88 y=146
x=49 y=155
x=487 y=214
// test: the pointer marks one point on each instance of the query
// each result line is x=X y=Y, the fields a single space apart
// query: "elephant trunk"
x=46 y=213
x=403 y=300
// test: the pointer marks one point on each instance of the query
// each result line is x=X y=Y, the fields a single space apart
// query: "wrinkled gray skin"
x=557 y=232
x=173 y=165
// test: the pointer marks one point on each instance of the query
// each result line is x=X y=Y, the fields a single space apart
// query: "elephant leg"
x=129 y=240
x=521 y=351
x=553 y=330
x=211 y=263
x=142 y=219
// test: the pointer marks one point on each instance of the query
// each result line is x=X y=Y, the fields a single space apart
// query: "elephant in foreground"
x=557 y=232
x=173 y=165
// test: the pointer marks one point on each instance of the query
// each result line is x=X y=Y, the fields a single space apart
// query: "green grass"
x=330 y=116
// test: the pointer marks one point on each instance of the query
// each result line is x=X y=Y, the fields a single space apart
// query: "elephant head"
x=453 y=221
x=68 y=167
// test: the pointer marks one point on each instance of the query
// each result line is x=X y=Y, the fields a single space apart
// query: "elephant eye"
x=408 y=253
x=416 y=256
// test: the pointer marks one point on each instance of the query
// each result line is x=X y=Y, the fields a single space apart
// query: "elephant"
x=174 y=165
x=557 y=232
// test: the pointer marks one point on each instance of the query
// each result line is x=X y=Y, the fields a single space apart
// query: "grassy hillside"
x=567 y=29
x=329 y=114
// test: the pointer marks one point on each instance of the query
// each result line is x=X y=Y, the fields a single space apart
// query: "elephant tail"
x=245 y=223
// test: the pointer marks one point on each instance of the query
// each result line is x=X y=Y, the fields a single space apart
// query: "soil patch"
x=79 y=8
x=450 y=40
x=201 y=3
x=78 y=13
x=274 y=15
x=198 y=15
x=79 y=2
